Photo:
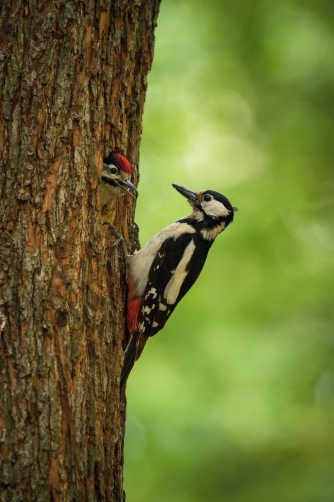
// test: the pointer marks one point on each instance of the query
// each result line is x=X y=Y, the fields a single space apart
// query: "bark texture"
x=72 y=88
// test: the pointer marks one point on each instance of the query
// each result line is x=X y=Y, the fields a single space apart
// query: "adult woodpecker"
x=164 y=270
x=116 y=172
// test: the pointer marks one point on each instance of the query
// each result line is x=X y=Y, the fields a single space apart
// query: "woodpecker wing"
x=174 y=270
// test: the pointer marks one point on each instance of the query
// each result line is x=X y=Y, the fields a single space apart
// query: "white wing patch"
x=173 y=287
x=147 y=310
x=140 y=264
x=152 y=292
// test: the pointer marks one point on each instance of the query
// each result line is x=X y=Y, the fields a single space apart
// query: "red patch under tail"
x=133 y=309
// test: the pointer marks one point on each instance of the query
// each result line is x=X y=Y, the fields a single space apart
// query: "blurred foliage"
x=233 y=401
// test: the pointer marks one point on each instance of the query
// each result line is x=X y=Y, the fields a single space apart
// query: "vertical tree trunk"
x=72 y=88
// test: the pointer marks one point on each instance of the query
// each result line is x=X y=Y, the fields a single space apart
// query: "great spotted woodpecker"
x=116 y=172
x=164 y=270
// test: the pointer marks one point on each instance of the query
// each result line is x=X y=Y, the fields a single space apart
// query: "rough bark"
x=72 y=88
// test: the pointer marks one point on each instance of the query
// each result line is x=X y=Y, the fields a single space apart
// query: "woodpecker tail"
x=129 y=360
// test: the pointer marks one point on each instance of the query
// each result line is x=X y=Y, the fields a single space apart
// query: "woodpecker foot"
x=120 y=238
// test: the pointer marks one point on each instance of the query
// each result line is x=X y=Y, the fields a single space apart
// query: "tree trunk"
x=72 y=84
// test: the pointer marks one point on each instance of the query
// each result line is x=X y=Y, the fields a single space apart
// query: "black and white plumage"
x=164 y=270
x=115 y=176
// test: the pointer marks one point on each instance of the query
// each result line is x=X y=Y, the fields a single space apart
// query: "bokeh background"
x=233 y=401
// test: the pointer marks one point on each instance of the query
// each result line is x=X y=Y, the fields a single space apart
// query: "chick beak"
x=127 y=186
x=188 y=194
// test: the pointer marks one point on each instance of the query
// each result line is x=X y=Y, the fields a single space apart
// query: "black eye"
x=207 y=197
x=113 y=170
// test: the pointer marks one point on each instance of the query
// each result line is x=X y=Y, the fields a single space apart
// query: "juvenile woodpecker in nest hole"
x=164 y=270
x=115 y=181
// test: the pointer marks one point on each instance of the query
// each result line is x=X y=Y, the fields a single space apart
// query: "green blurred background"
x=233 y=401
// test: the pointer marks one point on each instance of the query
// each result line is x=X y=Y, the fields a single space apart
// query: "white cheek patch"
x=214 y=208
x=174 y=285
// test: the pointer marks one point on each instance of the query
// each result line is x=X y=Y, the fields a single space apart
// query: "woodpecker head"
x=116 y=172
x=212 y=208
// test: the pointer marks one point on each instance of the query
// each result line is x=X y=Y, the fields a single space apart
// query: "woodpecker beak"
x=126 y=186
x=188 y=194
